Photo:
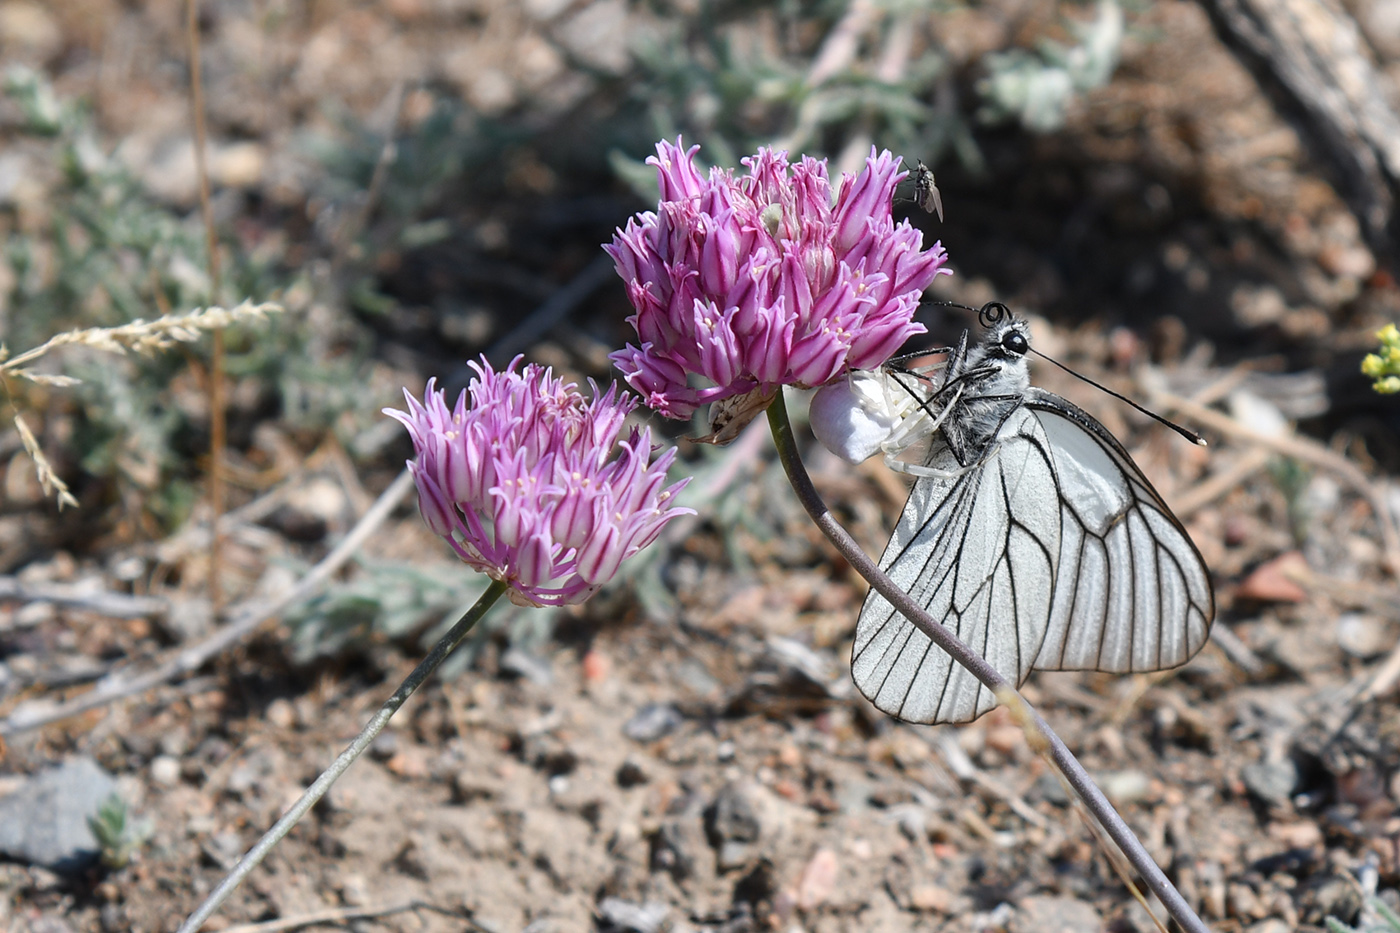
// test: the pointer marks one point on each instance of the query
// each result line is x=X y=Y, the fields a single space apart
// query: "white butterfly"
x=1031 y=534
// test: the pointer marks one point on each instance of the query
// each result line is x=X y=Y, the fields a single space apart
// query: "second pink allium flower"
x=762 y=280
x=531 y=484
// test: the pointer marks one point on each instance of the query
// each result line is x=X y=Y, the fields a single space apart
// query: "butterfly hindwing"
x=1052 y=551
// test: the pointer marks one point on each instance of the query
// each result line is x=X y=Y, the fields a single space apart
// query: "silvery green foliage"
x=736 y=77
x=117 y=834
x=1036 y=89
x=388 y=600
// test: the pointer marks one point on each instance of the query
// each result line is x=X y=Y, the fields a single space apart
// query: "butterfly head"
x=1001 y=357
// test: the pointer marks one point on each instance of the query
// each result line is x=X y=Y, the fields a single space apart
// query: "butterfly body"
x=1032 y=535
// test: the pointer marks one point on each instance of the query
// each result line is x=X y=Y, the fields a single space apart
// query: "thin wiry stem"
x=445 y=646
x=1057 y=751
x=217 y=415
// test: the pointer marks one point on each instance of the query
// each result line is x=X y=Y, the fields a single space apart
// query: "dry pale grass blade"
x=48 y=479
x=139 y=336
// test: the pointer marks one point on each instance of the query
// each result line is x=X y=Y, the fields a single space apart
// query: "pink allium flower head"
x=766 y=279
x=521 y=484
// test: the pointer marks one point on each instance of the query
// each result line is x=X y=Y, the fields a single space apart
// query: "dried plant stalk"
x=144 y=337
x=48 y=479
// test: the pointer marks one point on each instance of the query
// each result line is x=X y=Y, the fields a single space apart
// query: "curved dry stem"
x=1057 y=752
x=445 y=646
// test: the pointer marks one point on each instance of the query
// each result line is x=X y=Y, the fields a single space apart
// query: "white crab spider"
x=885 y=411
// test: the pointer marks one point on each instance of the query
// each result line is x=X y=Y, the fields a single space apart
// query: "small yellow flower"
x=1383 y=367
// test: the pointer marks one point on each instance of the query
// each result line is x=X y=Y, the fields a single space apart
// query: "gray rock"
x=653 y=721
x=44 y=822
x=1049 y=914
x=1333 y=896
x=673 y=848
x=1272 y=782
x=732 y=817
x=732 y=825
x=531 y=667
x=618 y=914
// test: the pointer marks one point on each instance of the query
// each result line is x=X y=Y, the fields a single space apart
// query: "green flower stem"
x=1073 y=771
x=445 y=646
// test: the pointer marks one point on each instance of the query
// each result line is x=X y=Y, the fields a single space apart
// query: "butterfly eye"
x=1015 y=343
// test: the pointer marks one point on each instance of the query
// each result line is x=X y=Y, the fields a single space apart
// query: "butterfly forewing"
x=1052 y=551
x=979 y=552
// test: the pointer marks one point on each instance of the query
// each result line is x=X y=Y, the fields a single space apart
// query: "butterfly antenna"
x=993 y=312
x=1190 y=435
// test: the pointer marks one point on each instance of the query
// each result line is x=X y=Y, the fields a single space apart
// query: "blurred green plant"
x=1292 y=478
x=380 y=188
x=1383 y=366
x=805 y=77
x=384 y=601
x=98 y=254
x=822 y=77
x=1037 y=87
x=118 y=835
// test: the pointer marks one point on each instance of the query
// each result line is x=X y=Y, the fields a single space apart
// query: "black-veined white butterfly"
x=1030 y=533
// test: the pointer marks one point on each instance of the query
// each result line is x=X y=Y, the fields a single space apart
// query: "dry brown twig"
x=1299 y=448
x=345 y=914
x=218 y=422
x=243 y=622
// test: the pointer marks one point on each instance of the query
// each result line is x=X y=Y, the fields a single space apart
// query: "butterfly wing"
x=1053 y=552
x=1132 y=593
x=979 y=551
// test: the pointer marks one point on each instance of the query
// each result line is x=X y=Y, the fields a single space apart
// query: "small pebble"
x=165 y=770
x=32 y=614
x=409 y=763
x=1125 y=786
x=618 y=914
x=1041 y=913
x=930 y=897
x=1271 y=925
x=652 y=722
x=630 y=774
x=1363 y=636
x=1274 y=581
x=384 y=746
x=1271 y=782
x=281 y=714
x=596 y=666
x=818 y=880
